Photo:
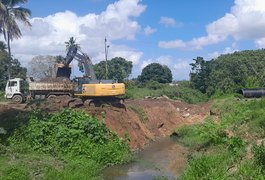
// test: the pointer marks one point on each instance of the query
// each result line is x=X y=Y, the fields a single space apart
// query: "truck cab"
x=14 y=90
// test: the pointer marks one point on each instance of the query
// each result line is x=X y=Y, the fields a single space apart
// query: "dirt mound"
x=55 y=103
x=162 y=118
x=141 y=121
x=55 y=80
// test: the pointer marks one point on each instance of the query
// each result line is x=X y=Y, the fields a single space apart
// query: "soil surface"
x=161 y=117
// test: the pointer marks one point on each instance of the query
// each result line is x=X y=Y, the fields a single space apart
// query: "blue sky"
x=164 y=31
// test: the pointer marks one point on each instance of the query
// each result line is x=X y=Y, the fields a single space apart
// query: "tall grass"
x=184 y=93
x=218 y=147
x=139 y=111
x=2 y=96
x=80 y=144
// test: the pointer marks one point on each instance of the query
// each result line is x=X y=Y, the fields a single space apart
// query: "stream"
x=163 y=159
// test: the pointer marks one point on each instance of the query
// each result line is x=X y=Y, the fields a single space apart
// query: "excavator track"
x=73 y=102
x=104 y=101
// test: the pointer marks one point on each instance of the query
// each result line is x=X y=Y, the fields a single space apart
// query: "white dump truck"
x=19 y=90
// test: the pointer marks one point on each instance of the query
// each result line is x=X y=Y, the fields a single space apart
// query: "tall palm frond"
x=71 y=42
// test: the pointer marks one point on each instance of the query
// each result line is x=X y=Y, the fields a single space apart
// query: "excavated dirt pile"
x=139 y=121
x=161 y=118
x=55 y=80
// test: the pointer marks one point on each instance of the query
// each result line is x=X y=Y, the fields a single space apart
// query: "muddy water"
x=162 y=158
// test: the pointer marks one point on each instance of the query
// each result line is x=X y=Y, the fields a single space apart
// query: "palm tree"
x=10 y=13
x=71 y=42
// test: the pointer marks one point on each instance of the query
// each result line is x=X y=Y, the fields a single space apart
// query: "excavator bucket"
x=63 y=71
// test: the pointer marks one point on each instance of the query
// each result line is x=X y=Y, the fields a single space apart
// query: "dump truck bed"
x=50 y=86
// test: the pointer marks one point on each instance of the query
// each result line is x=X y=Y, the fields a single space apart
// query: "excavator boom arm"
x=87 y=64
x=81 y=57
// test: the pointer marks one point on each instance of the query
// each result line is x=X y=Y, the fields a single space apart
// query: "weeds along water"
x=229 y=144
x=69 y=144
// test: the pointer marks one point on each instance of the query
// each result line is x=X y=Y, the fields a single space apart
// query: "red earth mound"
x=139 y=121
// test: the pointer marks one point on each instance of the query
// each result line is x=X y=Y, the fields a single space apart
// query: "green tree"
x=118 y=68
x=59 y=59
x=200 y=74
x=70 y=43
x=16 y=69
x=156 y=72
x=3 y=46
x=10 y=13
x=3 y=69
x=229 y=73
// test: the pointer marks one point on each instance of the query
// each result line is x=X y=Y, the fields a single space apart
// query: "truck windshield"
x=12 y=83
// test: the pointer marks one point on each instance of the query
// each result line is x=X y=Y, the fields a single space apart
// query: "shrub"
x=154 y=85
x=156 y=89
x=72 y=133
x=2 y=96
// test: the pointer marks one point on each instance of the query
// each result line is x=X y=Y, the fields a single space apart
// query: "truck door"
x=12 y=88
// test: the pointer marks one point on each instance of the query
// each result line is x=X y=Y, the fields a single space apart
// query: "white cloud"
x=172 y=44
x=170 y=22
x=48 y=34
x=260 y=43
x=167 y=21
x=131 y=55
x=148 y=30
x=182 y=70
x=245 y=21
x=164 y=60
x=227 y=50
x=146 y=62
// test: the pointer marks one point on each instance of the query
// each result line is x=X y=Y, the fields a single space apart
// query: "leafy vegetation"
x=118 y=69
x=155 y=89
x=219 y=146
x=11 y=14
x=16 y=70
x=156 y=72
x=229 y=73
x=2 y=96
x=76 y=144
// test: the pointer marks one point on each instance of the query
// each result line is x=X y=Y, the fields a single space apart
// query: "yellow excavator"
x=89 y=88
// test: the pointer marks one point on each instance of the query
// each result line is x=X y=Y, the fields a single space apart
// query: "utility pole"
x=106 y=58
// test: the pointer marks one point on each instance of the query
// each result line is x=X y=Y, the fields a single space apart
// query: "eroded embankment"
x=146 y=120
x=141 y=122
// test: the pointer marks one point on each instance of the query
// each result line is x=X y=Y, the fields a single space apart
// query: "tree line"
x=225 y=74
x=229 y=73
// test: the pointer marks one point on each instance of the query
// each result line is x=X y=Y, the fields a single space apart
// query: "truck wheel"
x=18 y=99
x=50 y=97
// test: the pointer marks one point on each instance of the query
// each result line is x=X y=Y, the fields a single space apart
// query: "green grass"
x=208 y=167
x=217 y=145
x=69 y=144
x=184 y=93
x=139 y=111
x=2 y=96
